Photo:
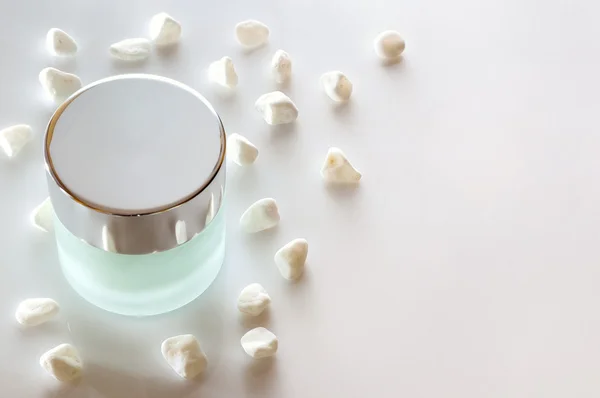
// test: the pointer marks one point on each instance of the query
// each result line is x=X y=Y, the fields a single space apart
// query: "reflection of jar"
x=136 y=175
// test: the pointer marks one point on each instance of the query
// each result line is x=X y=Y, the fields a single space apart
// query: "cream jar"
x=136 y=176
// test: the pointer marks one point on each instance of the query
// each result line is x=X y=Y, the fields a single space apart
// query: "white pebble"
x=251 y=33
x=259 y=343
x=261 y=215
x=240 y=150
x=35 y=311
x=184 y=355
x=164 y=29
x=337 y=86
x=14 y=138
x=337 y=168
x=276 y=108
x=281 y=66
x=62 y=362
x=131 y=49
x=58 y=84
x=389 y=44
x=290 y=259
x=59 y=43
x=253 y=300
x=223 y=72
x=42 y=217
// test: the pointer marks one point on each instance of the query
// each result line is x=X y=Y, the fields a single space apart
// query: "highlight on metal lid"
x=134 y=160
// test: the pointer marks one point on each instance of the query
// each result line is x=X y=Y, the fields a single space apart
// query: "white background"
x=466 y=263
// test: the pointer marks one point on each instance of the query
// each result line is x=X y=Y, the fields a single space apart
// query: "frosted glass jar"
x=136 y=176
x=143 y=284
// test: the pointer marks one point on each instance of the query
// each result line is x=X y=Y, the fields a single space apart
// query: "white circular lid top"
x=136 y=144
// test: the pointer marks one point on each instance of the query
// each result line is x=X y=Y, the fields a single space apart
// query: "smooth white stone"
x=59 y=43
x=223 y=73
x=389 y=45
x=281 y=66
x=261 y=215
x=337 y=86
x=42 y=217
x=14 y=138
x=260 y=343
x=338 y=169
x=58 y=84
x=253 y=299
x=276 y=108
x=164 y=29
x=252 y=33
x=290 y=259
x=185 y=356
x=137 y=49
x=62 y=362
x=240 y=150
x=35 y=311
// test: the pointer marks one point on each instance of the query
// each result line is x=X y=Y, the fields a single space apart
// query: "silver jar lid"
x=135 y=163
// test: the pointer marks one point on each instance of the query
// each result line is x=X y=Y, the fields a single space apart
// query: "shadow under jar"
x=136 y=176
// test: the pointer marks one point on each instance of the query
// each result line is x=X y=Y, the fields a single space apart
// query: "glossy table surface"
x=466 y=263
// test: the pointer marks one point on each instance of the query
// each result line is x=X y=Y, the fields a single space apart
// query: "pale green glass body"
x=147 y=284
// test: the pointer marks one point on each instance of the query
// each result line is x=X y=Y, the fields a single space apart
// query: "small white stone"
x=260 y=343
x=59 y=43
x=281 y=66
x=131 y=49
x=389 y=45
x=276 y=108
x=337 y=86
x=58 y=84
x=251 y=33
x=261 y=215
x=42 y=217
x=290 y=259
x=14 y=138
x=223 y=73
x=337 y=168
x=180 y=232
x=35 y=311
x=253 y=299
x=164 y=29
x=240 y=150
x=62 y=362
x=184 y=355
